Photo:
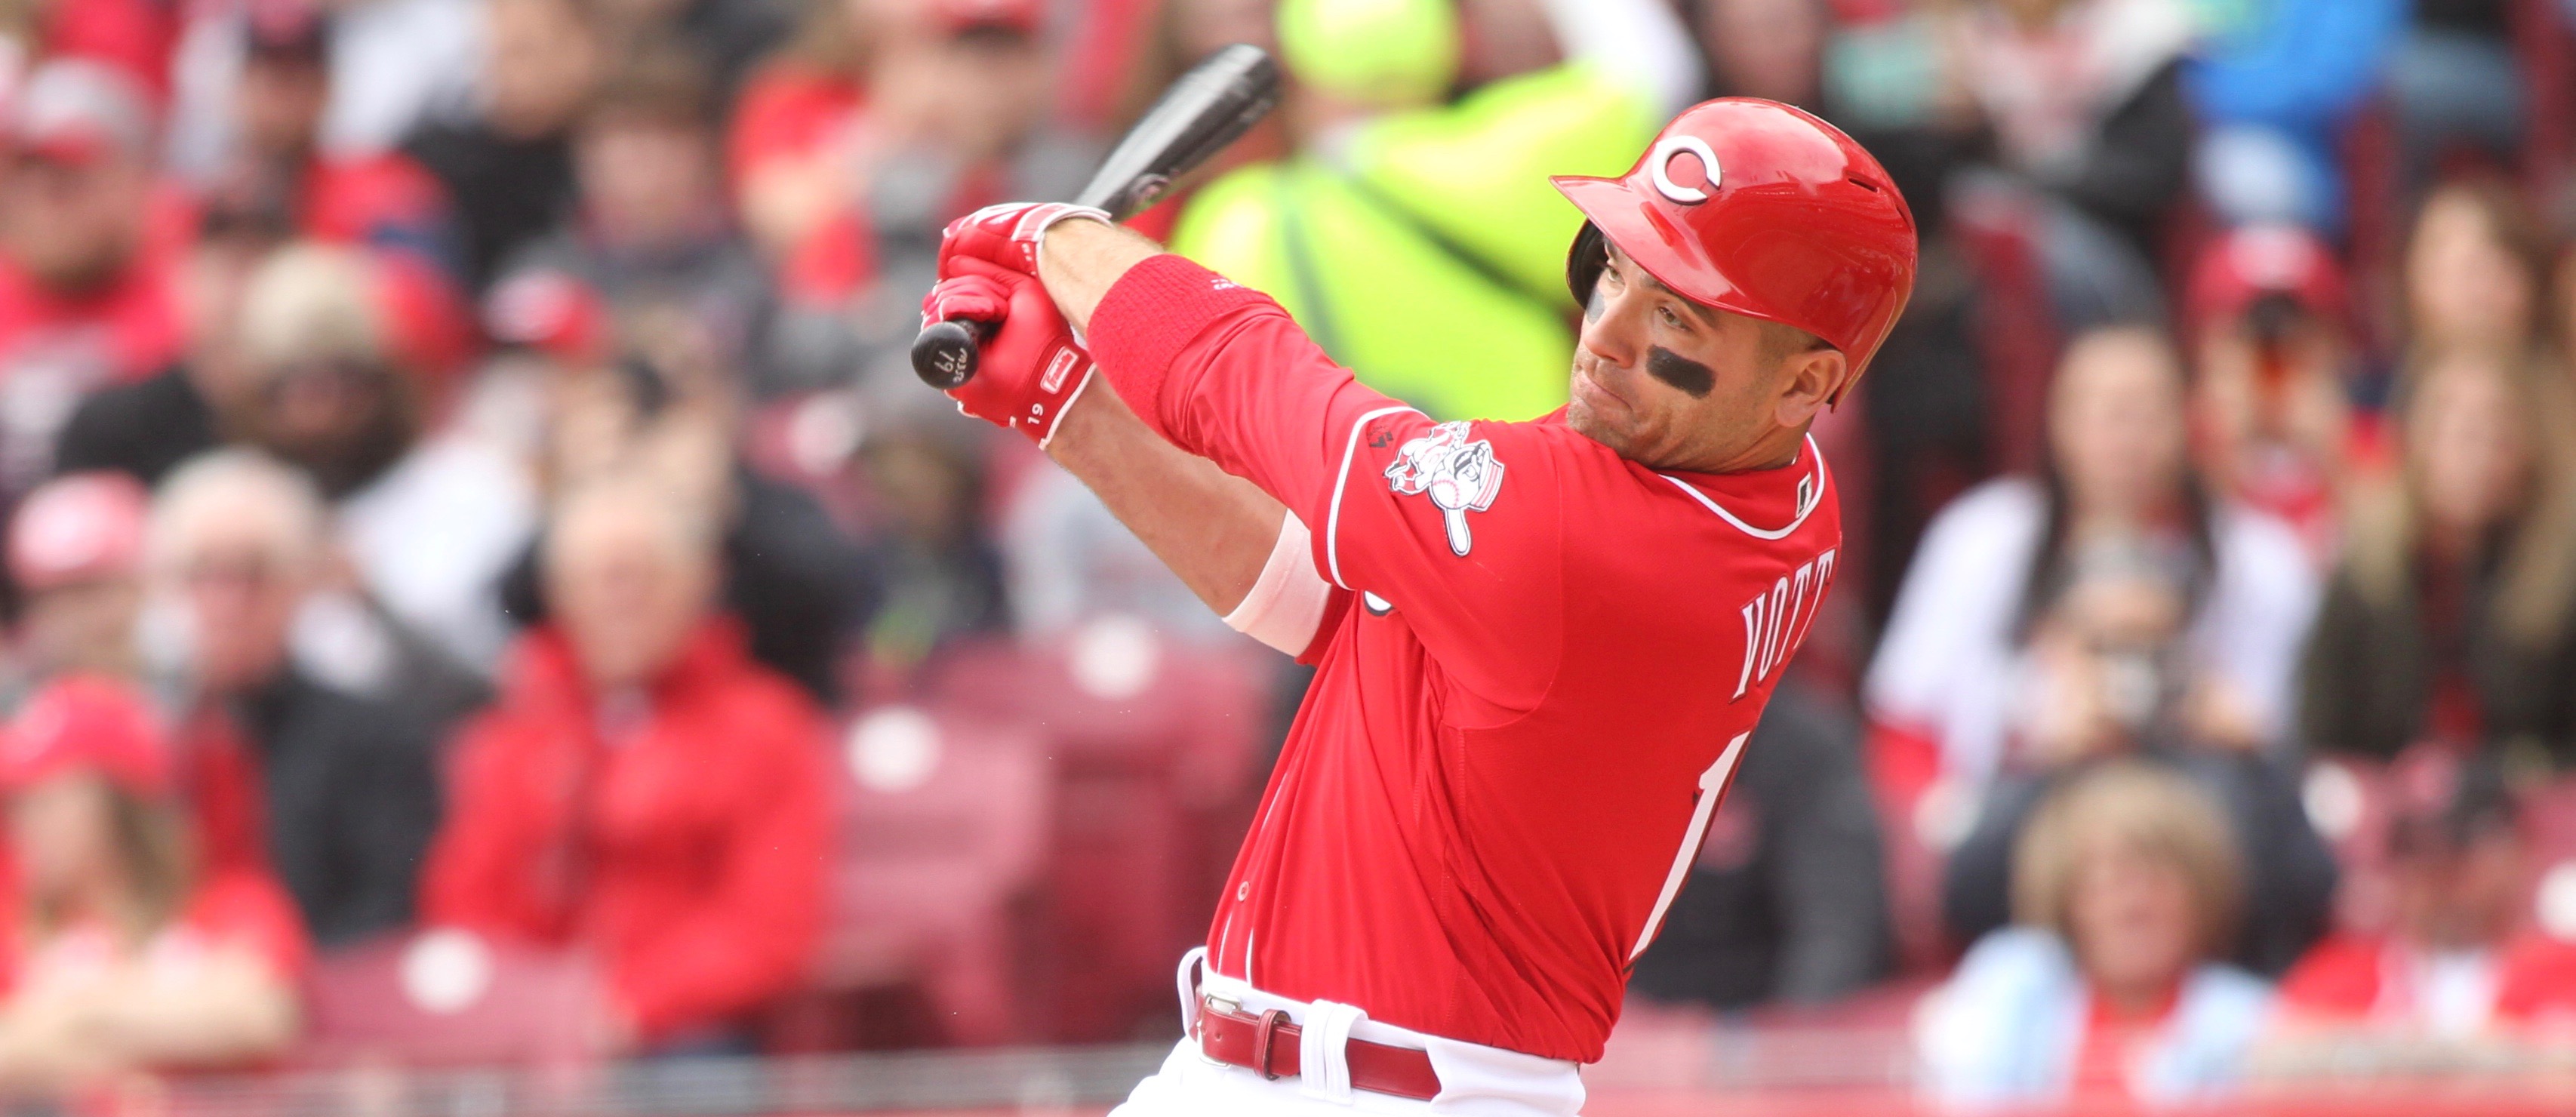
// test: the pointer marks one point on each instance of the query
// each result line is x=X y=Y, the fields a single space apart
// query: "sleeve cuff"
x=1153 y=312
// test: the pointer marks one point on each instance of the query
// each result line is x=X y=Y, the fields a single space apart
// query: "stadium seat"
x=1156 y=742
x=944 y=837
x=445 y=997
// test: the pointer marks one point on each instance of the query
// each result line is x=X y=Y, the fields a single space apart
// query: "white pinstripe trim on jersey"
x=1748 y=529
x=1333 y=519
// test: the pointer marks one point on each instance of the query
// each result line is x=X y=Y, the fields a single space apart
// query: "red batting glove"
x=1031 y=368
x=1006 y=234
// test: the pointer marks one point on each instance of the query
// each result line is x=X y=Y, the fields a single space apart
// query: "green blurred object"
x=1386 y=53
x=1430 y=259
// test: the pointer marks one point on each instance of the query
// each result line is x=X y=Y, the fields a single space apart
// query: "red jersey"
x=1538 y=682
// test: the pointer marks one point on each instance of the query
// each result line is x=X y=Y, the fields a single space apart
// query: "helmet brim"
x=1667 y=252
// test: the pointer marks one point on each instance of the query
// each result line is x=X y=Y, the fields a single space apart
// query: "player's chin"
x=1599 y=413
x=1605 y=425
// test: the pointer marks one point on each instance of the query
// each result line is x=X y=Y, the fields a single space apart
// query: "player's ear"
x=1808 y=384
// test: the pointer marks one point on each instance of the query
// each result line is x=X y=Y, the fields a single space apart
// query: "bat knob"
x=945 y=355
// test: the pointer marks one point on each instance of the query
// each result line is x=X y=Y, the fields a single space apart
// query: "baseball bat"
x=1207 y=108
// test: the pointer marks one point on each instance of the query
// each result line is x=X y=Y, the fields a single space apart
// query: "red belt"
x=1267 y=1044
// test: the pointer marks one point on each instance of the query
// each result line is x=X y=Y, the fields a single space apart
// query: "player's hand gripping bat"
x=1208 y=108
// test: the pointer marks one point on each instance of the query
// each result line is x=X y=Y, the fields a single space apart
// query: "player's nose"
x=1609 y=336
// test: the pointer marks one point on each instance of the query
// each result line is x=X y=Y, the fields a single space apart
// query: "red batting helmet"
x=1761 y=209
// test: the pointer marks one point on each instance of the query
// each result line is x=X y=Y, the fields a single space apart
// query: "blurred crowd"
x=473 y=532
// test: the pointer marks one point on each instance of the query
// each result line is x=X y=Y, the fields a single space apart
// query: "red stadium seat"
x=944 y=838
x=1156 y=743
x=445 y=997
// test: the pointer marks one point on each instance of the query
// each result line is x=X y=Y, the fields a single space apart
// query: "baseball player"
x=1540 y=647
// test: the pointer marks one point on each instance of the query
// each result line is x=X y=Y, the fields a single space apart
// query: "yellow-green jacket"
x=1430 y=257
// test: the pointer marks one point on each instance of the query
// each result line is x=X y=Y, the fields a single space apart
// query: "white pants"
x=1475 y=1080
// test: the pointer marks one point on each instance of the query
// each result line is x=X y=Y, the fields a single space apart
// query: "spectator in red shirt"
x=76 y=562
x=119 y=954
x=852 y=152
x=2459 y=964
x=385 y=201
x=86 y=256
x=642 y=789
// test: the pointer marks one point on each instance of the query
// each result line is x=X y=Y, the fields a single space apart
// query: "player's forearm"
x=1214 y=530
x=1083 y=259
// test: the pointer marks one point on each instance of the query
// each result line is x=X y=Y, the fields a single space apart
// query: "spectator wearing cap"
x=2276 y=377
x=2454 y=960
x=275 y=147
x=388 y=64
x=2452 y=616
x=879 y=126
x=332 y=791
x=88 y=252
x=509 y=163
x=76 y=563
x=430 y=522
x=642 y=790
x=145 y=429
x=653 y=234
x=123 y=952
x=2107 y=989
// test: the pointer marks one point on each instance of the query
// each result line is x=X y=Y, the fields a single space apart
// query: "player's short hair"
x=1781 y=341
x=2149 y=810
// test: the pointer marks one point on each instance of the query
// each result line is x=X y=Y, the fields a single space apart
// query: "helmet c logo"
x=1660 y=166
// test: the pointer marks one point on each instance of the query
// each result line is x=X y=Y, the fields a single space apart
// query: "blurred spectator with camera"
x=331 y=790
x=2126 y=891
x=88 y=256
x=2277 y=370
x=146 y=428
x=509 y=163
x=642 y=789
x=76 y=567
x=2456 y=962
x=2108 y=676
x=127 y=953
x=429 y=521
x=2116 y=476
x=2452 y=616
